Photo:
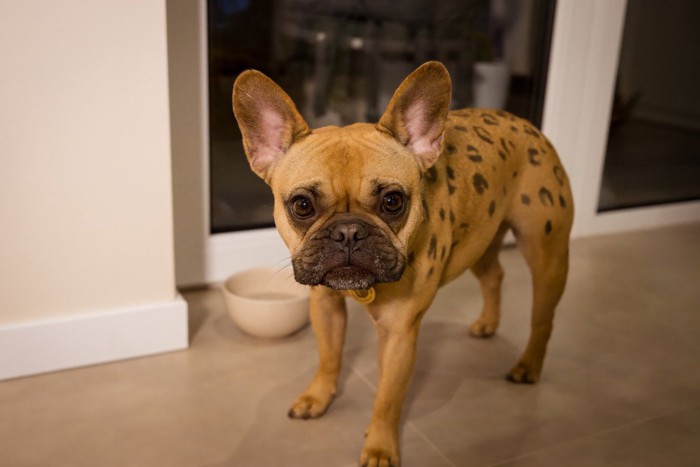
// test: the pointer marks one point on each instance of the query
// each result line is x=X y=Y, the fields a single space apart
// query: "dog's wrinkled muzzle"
x=349 y=253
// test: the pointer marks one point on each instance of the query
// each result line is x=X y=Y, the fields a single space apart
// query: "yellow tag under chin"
x=365 y=297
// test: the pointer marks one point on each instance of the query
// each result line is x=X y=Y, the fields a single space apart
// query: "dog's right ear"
x=269 y=121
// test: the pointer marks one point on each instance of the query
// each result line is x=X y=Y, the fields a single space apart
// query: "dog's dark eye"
x=302 y=207
x=392 y=203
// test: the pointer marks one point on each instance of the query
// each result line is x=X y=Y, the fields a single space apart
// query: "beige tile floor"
x=621 y=385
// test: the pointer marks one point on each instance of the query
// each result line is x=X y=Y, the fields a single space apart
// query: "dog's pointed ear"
x=269 y=121
x=417 y=113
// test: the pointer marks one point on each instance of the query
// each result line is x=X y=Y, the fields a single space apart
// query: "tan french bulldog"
x=387 y=213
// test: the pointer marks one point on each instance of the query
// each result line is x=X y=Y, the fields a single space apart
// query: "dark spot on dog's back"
x=426 y=211
x=442 y=254
x=473 y=156
x=480 y=183
x=514 y=128
x=432 y=250
x=548 y=227
x=505 y=146
x=546 y=197
x=531 y=131
x=430 y=272
x=452 y=217
x=562 y=201
x=461 y=128
x=483 y=134
x=442 y=214
x=559 y=174
x=525 y=198
x=533 y=156
x=450 y=176
x=489 y=119
x=450 y=148
x=492 y=208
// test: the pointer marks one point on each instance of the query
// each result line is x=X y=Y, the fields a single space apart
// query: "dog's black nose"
x=349 y=234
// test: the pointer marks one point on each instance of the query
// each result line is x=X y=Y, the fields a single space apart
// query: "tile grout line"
x=362 y=377
x=598 y=433
x=430 y=443
x=409 y=424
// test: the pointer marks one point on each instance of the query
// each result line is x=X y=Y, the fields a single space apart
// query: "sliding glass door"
x=341 y=60
x=653 y=151
x=622 y=109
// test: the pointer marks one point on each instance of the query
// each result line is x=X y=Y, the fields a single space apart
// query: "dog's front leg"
x=397 y=355
x=329 y=319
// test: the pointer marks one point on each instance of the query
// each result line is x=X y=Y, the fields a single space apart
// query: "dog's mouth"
x=348 y=253
x=348 y=278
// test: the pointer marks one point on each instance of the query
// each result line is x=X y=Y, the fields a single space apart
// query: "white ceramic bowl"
x=266 y=302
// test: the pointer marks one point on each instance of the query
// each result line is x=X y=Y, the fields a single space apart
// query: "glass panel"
x=653 y=153
x=341 y=60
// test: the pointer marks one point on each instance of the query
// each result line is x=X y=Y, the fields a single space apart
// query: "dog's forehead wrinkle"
x=379 y=184
x=383 y=145
x=339 y=153
x=313 y=186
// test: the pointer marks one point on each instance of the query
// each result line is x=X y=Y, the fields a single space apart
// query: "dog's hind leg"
x=490 y=274
x=547 y=255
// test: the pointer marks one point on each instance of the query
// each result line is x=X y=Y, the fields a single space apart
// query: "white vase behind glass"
x=491 y=82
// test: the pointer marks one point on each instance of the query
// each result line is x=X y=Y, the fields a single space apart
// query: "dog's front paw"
x=379 y=457
x=381 y=448
x=309 y=406
x=483 y=328
x=523 y=373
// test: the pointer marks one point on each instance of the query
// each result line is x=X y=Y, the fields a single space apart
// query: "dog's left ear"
x=416 y=114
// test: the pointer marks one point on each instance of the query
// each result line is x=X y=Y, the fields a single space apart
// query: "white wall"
x=85 y=188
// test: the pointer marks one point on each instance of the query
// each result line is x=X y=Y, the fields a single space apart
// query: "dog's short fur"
x=400 y=208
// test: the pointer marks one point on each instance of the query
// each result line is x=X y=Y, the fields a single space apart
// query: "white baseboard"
x=117 y=334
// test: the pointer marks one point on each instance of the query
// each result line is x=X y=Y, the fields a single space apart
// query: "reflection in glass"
x=653 y=153
x=341 y=60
